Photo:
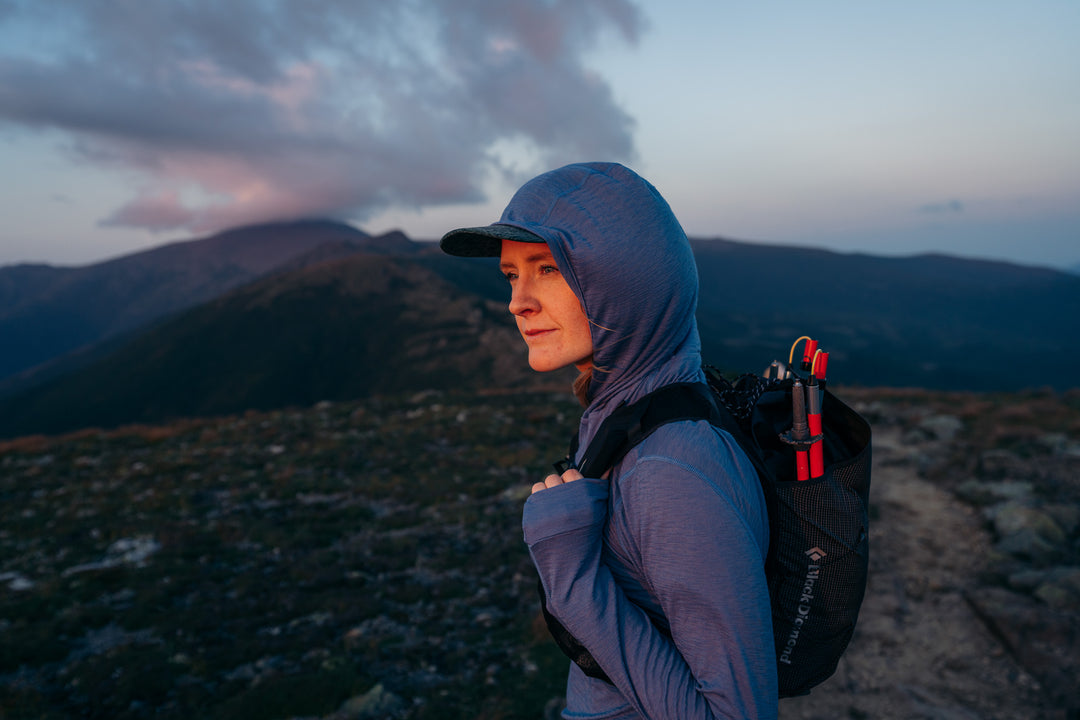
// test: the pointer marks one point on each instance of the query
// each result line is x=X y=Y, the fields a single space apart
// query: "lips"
x=531 y=334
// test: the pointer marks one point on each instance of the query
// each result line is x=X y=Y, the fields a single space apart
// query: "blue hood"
x=627 y=259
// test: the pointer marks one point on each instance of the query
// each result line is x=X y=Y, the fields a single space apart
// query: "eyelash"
x=544 y=270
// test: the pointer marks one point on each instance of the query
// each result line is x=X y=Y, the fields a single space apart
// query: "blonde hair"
x=581 y=386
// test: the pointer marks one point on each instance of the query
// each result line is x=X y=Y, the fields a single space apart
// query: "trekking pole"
x=814 y=391
x=821 y=366
x=791 y=355
x=809 y=354
x=799 y=435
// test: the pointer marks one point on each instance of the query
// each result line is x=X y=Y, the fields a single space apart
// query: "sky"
x=886 y=128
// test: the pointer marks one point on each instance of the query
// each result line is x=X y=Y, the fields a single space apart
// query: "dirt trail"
x=919 y=651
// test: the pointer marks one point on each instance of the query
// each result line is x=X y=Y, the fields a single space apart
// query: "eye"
x=546 y=269
x=510 y=275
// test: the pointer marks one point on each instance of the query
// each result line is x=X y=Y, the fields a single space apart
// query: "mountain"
x=46 y=312
x=356 y=316
x=926 y=321
x=336 y=330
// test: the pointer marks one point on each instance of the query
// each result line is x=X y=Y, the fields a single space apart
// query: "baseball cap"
x=484 y=241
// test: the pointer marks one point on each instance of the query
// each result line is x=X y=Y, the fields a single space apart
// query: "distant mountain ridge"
x=328 y=312
x=931 y=321
x=46 y=312
x=350 y=327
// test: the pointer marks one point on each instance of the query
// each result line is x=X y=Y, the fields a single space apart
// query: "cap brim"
x=484 y=241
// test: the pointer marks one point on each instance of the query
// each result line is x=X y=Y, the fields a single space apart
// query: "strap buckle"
x=563 y=465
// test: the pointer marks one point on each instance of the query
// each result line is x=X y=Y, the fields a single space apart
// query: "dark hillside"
x=25 y=283
x=927 y=321
x=337 y=330
x=46 y=312
x=349 y=315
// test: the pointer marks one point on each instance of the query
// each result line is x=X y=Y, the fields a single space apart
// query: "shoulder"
x=690 y=469
x=692 y=447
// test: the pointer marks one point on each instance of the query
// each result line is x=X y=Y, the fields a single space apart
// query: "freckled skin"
x=548 y=314
x=549 y=317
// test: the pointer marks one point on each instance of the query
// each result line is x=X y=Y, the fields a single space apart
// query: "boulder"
x=943 y=428
x=1013 y=517
x=378 y=702
x=1045 y=641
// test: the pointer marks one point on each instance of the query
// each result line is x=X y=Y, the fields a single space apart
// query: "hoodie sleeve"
x=701 y=559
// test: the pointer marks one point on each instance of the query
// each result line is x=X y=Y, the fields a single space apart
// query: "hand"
x=552 y=480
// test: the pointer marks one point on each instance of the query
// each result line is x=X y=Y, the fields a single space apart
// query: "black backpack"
x=819 y=528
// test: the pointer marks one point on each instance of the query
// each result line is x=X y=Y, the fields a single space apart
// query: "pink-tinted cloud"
x=250 y=111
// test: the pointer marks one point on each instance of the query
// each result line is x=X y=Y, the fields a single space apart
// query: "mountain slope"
x=929 y=321
x=338 y=323
x=46 y=312
x=336 y=330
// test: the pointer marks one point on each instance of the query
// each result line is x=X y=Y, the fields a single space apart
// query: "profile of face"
x=548 y=314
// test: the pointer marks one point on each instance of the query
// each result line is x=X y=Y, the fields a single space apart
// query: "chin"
x=545 y=365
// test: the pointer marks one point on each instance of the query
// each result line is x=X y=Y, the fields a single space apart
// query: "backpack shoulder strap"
x=629 y=424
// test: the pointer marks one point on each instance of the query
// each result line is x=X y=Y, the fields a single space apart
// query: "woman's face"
x=548 y=313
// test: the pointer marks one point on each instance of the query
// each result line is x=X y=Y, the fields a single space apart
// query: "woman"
x=674 y=539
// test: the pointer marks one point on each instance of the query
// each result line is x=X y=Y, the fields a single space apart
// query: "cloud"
x=226 y=113
x=943 y=208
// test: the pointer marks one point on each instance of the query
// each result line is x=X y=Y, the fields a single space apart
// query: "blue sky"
x=894 y=128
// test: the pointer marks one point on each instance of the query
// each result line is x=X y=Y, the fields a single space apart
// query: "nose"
x=523 y=299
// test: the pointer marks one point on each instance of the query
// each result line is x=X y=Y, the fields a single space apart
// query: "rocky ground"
x=973 y=605
x=364 y=560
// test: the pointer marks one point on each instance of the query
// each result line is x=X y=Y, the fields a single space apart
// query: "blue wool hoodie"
x=677 y=535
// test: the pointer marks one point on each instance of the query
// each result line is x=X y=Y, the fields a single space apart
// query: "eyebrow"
x=535 y=257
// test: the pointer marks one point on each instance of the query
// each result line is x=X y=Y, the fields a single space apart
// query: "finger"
x=537 y=487
x=571 y=475
x=552 y=480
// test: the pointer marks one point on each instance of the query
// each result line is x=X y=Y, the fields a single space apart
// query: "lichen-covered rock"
x=378 y=702
x=943 y=428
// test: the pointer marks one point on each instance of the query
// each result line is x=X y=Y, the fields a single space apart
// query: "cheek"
x=577 y=332
x=582 y=328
